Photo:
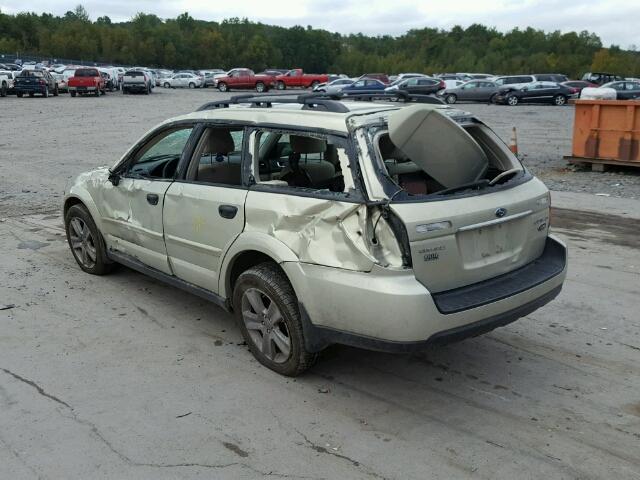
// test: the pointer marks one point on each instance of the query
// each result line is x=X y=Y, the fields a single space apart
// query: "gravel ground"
x=43 y=142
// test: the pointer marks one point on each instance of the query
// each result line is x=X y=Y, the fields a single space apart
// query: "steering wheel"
x=167 y=171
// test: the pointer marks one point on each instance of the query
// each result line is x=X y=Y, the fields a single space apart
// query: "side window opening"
x=217 y=157
x=302 y=162
x=159 y=157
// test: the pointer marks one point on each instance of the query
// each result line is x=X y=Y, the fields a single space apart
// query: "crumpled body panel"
x=319 y=231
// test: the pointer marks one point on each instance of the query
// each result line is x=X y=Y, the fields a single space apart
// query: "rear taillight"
x=442 y=84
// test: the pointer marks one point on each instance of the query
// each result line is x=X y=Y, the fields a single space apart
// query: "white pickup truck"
x=136 y=81
x=6 y=82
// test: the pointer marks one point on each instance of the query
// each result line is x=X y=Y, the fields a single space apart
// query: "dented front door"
x=132 y=219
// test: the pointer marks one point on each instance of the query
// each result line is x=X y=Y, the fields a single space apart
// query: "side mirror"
x=114 y=178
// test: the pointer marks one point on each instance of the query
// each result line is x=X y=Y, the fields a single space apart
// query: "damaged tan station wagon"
x=386 y=226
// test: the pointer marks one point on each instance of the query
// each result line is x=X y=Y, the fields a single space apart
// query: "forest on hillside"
x=184 y=42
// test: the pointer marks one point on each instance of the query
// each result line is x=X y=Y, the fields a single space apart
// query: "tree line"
x=184 y=42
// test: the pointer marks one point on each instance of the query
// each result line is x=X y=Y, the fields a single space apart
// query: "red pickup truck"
x=86 y=81
x=297 y=78
x=243 y=78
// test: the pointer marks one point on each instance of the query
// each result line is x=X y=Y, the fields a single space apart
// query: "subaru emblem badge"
x=501 y=212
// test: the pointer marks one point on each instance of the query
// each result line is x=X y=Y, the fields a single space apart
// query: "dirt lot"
x=123 y=377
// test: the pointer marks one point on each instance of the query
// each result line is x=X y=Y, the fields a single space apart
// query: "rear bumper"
x=392 y=311
x=134 y=86
x=29 y=88
x=82 y=89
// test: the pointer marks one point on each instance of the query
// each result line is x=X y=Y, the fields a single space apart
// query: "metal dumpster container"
x=606 y=132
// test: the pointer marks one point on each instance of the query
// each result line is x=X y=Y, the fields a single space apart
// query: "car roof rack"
x=322 y=103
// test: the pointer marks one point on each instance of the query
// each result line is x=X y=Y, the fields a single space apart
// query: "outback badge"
x=501 y=212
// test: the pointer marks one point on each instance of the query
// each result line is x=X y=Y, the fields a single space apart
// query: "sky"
x=614 y=21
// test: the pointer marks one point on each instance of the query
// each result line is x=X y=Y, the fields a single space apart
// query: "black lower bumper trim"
x=317 y=338
x=552 y=262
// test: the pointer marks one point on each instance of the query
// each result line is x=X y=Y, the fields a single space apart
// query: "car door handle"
x=152 y=198
x=227 y=211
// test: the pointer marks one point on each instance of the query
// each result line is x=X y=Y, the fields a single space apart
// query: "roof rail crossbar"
x=267 y=101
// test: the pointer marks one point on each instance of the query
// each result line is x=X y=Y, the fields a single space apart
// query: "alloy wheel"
x=82 y=242
x=266 y=325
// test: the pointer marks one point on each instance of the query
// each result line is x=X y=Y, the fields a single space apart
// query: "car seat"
x=220 y=170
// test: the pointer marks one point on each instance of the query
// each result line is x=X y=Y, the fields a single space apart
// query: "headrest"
x=331 y=155
x=307 y=144
x=220 y=141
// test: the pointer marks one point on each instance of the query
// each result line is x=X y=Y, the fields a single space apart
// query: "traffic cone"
x=513 y=143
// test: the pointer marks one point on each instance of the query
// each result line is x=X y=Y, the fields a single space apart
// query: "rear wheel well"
x=243 y=262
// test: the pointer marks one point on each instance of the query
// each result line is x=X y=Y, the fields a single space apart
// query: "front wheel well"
x=70 y=202
x=243 y=262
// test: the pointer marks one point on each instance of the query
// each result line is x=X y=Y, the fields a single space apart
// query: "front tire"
x=72 y=93
x=223 y=87
x=451 y=99
x=56 y=91
x=167 y=85
x=85 y=241
x=268 y=315
x=512 y=100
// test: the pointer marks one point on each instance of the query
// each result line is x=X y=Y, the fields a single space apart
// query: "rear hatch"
x=469 y=235
x=134 y=77
x=28 y=81
x=461 y=241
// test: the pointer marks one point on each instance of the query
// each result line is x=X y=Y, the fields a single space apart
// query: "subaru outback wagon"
x=380 y=225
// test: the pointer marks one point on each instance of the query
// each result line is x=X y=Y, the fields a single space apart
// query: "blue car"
x=364 y=85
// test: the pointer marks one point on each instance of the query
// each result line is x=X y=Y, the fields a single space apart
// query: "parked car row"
x=554 y=88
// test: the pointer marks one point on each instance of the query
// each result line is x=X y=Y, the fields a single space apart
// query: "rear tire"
x=559 y=100
x=31 y=94
x=314 y=84
x=492 y=98
x=97 y=94
x=72 y=93
x=192 y=85
x=85 y=241
x=19 y=94
x=45 y=94
x=281 y=85
x=56 y=91
x=3 y=90
x=260 y=87
x=268 y=315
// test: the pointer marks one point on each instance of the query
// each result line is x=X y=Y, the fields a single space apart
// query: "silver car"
x=473 y=91
x=317 y=222
x=182 y=80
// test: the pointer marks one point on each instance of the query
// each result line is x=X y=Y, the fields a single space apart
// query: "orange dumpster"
x=606 y=132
